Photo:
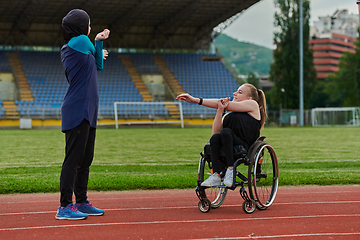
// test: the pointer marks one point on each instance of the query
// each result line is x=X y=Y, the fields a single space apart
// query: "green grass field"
x=159 y=158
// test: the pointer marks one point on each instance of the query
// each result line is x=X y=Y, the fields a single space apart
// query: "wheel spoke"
x=215 y=195
x=264 y=175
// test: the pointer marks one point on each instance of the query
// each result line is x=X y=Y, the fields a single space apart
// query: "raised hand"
x=185 y=97
x=223 y=103
x=102 y=35
x=225 y=100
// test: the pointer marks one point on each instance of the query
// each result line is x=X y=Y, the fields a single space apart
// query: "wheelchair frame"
x=262 y=179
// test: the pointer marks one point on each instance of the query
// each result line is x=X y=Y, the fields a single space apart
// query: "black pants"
x=79 y=153
x=227 y=140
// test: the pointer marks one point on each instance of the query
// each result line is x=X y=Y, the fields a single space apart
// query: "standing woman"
x=241 y=126
x=81 y=60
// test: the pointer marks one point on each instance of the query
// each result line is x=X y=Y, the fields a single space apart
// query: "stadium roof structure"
x=144 y=24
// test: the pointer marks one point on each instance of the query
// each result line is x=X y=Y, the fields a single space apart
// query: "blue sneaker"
x=70 y=212
x=88 y=208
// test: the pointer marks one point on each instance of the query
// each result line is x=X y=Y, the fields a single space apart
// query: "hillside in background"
x=241 y=58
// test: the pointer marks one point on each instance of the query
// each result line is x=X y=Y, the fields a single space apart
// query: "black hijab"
x=74 y=24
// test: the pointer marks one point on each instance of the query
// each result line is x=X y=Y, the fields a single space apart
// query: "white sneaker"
x=213 y=180
x=228 y=179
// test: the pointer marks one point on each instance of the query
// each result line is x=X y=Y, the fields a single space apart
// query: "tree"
x=320 y=97
x=284 y=71
x=344 y=85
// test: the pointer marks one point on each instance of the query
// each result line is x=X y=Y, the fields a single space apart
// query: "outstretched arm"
x=211 y=103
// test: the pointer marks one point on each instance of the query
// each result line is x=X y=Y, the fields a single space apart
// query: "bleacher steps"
x=172 y=83
x=136 y=78
x=173 y=111
x=19 y=74
x=10 y=110
x=169 y=77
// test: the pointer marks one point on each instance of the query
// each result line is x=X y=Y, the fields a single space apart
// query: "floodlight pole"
x=358 y=3
x=301 y=94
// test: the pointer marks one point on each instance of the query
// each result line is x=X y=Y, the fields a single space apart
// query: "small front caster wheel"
x=249 y=206
x=204 y=205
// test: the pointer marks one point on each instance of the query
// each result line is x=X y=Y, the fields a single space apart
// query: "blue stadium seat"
x=144 y=63
x=199 y=78
x=49 y=85
x=4 y=63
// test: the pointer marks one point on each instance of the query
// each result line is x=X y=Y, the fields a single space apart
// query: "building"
x=328 y=50
x=331 y=36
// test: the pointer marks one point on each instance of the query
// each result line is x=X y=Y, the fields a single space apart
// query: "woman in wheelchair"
x=240 y=126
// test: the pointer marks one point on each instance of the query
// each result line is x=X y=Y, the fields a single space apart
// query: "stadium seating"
x=200 y=78
x=2 y=109
x=144 y=63
x=4 y=64
x=47 y=81
x=4 y=67
x=115 y=85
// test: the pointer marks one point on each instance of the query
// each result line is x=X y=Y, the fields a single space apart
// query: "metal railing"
x=285 y=117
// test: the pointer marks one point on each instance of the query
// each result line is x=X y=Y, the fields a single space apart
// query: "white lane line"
x=109 y=209
x=337 y=192
x=93 y=199
x=177 y=207
x=179 y=221
x=26 y=213
x=325 y=202
x=162 y=197
x=283 y=236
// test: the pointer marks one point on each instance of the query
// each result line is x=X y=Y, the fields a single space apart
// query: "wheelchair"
x=262 y=178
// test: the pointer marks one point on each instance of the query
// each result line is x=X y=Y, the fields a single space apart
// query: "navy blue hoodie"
x=81 y=60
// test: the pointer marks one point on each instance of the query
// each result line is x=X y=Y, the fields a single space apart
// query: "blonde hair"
x=259 y=96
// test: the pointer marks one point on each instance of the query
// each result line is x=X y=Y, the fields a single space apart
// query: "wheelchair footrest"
x=244 y=194
x=200 y=193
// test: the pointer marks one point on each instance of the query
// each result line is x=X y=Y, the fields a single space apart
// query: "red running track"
x=330 y=212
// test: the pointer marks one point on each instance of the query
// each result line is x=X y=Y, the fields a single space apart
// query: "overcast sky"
x=256 y=24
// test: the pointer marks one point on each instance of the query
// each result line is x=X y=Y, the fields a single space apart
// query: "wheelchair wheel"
x=263 y=175
x=249 y=206
x=216 y=195
x=204 y=205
